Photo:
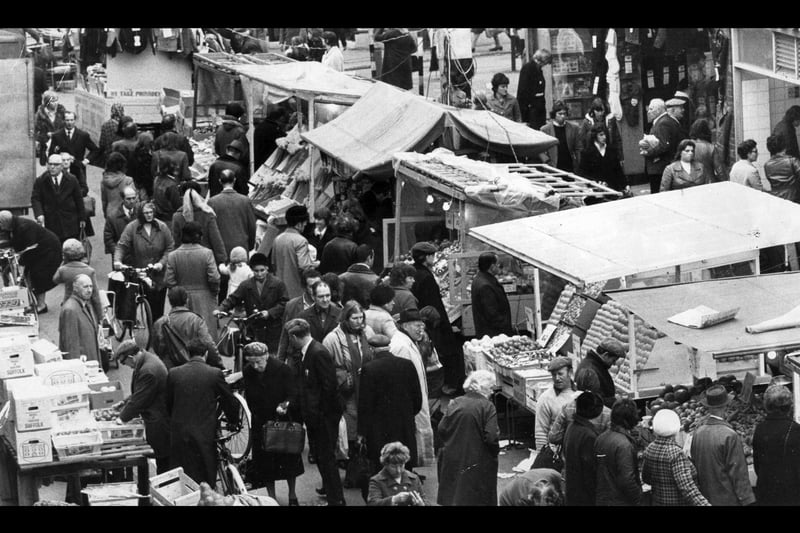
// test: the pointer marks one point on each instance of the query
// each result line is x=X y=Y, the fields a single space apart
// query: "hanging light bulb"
x=429 y=199
x=446 y=206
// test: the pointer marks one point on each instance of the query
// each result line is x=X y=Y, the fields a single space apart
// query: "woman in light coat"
x=192 y=267
x=378 y=315
x=684 y=172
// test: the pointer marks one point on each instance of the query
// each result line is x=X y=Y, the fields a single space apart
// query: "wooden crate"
x=174 y=488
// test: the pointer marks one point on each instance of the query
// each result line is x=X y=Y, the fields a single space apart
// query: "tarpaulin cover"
x=305 y=78
x=383 y=122
x=482 y=127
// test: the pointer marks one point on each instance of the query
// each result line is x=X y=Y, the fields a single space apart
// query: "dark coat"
x=43 y=261
x=226 y=162
x=77 y=146
x=592 y=375
x=62 y=208
x=211 y=239
x=193 y=391
x=273 y=298
x=530 y=94
x=337 y=255
x=127 y=147
x=144 y=249
x=580 y=466
x=605 y=168
x=318 y=330
x=617 y=469
x=357 y=282
x=115 y=224
x=389 y=399
x=148 y=399
x=228 y=131
x=776 y=459
x=787 y=130
x=236 y=220
x=77 y=330
x=398 y=47
x=490 y=308
x=670 y=134
x=166 y=198
x=44 y=125
x=188 y=325
x=426 y=290
x=467 y=461
x=264 y=391
x=264 y=137
x=182 y=144
x=162 y=157
x=318 y=385
x=316 y=242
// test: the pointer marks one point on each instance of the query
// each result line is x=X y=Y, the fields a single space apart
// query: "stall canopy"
x=646 y=233
x=758 y=298
x=499 y=134
x=306 y=79
x=366 y=136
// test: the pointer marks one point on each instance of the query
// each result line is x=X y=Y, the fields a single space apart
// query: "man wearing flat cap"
x=290 y=253
x=667 y=128
x=428 y=293
x=410 y=330
x=718 y=454
x=389 y=399
x=549 y=405
x=592 y=373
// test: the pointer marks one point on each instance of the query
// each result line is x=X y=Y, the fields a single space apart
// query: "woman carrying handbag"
x=271 y=395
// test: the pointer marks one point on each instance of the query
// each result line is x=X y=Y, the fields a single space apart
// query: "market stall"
x=439 y=197
x=649 y=240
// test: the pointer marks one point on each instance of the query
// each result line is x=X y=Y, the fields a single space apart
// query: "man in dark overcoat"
x=57 y=201
x=490 y=308
x=148 y=398
x=194 y=390
x=389 y=399
x=323 y=316
x=75 y=141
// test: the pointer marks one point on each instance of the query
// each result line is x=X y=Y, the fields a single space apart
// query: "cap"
x=127 y=348
x=558 y=363
x=410 y=315
x=423 y=248
x=611 y=347
x=673 y=102
x=666 y=423
x=379 y=341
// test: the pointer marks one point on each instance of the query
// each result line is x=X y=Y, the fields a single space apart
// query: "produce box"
x=16 y=358
x=174 y=488
x=45 y=351
x=525 y=380
x=105 y=394
x=32 y=407
x=8 y=385
x=13 y=298
x=32 y=447
x=71 y=417
x=80 y=443
x=66 y=372
x=113 y=494
x=114 y=433
x=71 y=396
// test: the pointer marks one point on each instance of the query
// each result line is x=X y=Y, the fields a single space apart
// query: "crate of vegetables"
x=75 y=443
x=114 y=433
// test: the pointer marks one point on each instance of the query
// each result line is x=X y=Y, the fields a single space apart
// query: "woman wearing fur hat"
x=666 y=468
x=75 y=263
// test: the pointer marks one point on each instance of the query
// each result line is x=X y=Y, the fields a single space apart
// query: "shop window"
x=572 y=69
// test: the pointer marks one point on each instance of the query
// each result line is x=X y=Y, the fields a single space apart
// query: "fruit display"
x=518 y=352
x=108 y=414
x=561 y=306
x=210 y=498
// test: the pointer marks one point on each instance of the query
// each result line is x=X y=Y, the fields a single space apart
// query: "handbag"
x=549 y=458
x=359 y=469
x=283 y=437
x=89 y=205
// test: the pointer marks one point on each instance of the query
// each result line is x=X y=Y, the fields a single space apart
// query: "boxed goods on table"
x=71 y=396
x=517 y=352
x=16 y=358
x=64 y=372
x=129 y=433
x=526 y=384
x=13 y=298
x=31 y=406
x=45 y=351
x=32 y=447
x=77 y=444
x=174 y=488
x=8 y=385
x=113 y=494
x=105 y=394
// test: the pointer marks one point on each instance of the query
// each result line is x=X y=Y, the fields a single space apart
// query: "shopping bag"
x=283 y=437
x=89 y=205
x=359 y=469
x=342 y=448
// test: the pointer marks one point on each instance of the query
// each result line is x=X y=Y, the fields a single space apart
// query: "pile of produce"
x=105 y=415
x=518 y=352
x=210 y=498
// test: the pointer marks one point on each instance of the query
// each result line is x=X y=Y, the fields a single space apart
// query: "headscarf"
x=47 y=96
x=238 y=255
x=117 y=111
x=191 y=201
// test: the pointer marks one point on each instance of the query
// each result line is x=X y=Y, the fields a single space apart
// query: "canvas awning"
x=758 y=298
x=306 y=79
x=650 y=232
x=384 y=121
x=499 y=134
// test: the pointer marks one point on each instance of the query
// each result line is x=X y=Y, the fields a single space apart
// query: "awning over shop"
x=305 y=78
x=384 y=121
x=646 y=233
x=482 y=127
x=757 y=297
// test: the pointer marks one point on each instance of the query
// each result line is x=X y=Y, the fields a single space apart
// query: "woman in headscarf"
x=115 y=179
x=49 y=118
x=196 y=209
x=192 y=267
x=348 y=345
x=40 y=249
x=75 y=264
x=140 y=170
x=271 y=394
x=109 y=133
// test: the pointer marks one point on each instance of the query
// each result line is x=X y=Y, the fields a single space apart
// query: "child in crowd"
x=237 y=269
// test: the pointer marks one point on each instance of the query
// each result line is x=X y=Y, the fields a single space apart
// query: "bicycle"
x=13 y=274
x=234 y=338
x=140 y=327
x=233 y=442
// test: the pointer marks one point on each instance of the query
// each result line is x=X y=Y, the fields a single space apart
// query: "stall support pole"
x=757 y=265
x=632 y=353
x=537 y=299
x=311 y=183
x=249 y=134
x=398 y=197
x=796 y=393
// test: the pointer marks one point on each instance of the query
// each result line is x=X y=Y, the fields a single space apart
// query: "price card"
x=595 y=84
x=594 y=41
x=651 y=80
x=666 y=76
x=546 y=334
x=628 y=64
x=681 y=71
x=530 y=323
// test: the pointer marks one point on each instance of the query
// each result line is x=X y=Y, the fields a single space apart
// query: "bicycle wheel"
x=240 y=442
x=143 y=325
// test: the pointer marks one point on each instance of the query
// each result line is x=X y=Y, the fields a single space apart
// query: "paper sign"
x=702 y=316
x=594 y=41
x=546 y=334
x=596 y=84
x=666 y=76
x=166 y=32
x=530 y=324
x=651 y=81
x=628 y=64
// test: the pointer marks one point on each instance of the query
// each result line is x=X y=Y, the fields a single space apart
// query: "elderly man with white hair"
x=77 y=323
x=667 y=129
x=468 y=456
x=666 y=468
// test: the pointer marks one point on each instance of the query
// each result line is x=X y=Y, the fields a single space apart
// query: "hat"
x=236 y=144
x=239 y=255
x=558 y=363
x=258 y=259
x=379 y=341
x=716 y=396
x=410 y=315
x=666 y=423
x=611 y=347
x=127 y=348
x=588 y=405
x=673 y=102
x=423 y=248
x=295 y=214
